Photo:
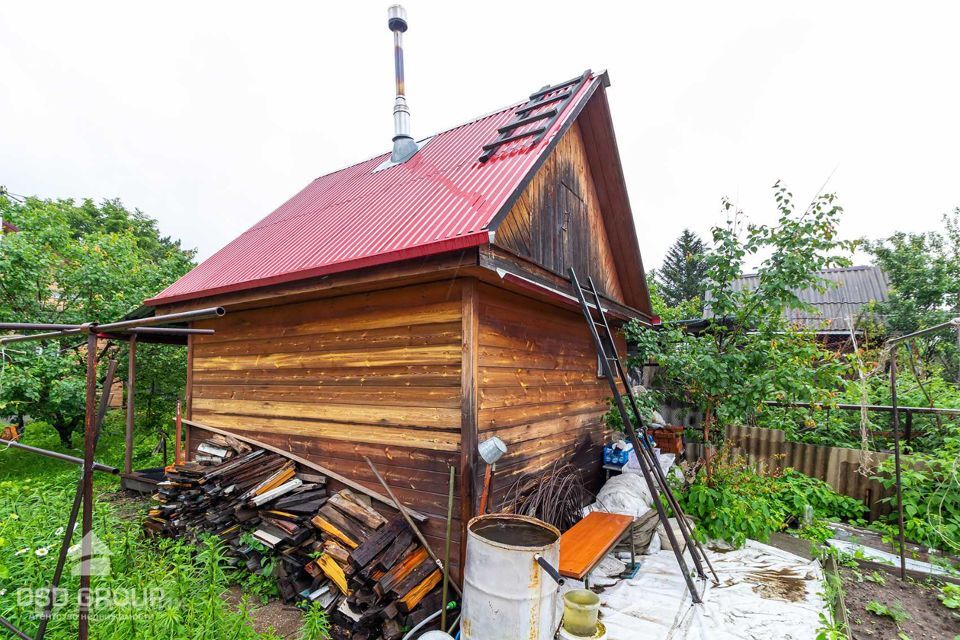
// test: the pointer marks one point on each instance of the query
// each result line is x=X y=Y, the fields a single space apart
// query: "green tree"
x=682 y=278
x=924 y=274
x=72 y=263
x=747 y=354
x=687 y=310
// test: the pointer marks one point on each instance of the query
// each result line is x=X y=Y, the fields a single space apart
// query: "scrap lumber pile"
x=325 y=547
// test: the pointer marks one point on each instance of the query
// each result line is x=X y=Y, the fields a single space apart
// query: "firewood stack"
x=335 y=549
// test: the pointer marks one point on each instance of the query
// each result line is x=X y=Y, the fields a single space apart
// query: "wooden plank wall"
x=538 y=387
x=375 y=374
x=557 y=222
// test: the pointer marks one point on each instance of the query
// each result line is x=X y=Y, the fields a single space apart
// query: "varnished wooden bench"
x=585 y=544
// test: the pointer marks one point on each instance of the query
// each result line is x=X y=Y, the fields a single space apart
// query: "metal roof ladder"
x=615 y=374
x=557 y=96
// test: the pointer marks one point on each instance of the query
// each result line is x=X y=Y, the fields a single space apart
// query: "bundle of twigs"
x=555 y=495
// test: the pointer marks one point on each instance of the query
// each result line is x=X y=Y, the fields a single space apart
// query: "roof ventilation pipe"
x=403 y=145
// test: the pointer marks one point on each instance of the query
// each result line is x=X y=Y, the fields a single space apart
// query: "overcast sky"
x=208 y=115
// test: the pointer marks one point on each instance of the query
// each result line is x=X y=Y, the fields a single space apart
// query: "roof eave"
x=474 y=239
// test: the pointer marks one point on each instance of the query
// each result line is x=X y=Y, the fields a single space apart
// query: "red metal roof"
x=440 y=200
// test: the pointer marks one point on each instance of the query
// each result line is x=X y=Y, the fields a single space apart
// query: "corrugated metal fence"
x=837 y=466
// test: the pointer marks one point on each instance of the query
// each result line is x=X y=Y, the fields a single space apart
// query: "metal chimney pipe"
x=403 y=145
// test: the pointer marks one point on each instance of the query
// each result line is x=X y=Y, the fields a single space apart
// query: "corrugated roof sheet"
x=441 y=199
x=854 y=288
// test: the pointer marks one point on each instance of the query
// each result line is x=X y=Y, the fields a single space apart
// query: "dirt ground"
x=928 y=618
x=276 y=617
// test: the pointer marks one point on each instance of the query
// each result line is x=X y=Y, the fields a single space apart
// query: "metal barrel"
x=506 y=594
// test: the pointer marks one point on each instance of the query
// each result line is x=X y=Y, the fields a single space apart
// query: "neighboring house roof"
x=440 y=200
x=853 y=289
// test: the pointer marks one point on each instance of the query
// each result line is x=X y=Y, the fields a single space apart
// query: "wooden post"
x=468 y=416
x=188 y=398
x=131 y=403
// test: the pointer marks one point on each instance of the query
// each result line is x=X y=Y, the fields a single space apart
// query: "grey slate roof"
x=855 y=287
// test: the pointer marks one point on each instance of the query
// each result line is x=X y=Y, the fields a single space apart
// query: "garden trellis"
x=130 y=330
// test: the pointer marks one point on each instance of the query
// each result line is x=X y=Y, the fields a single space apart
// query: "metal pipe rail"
x=142 y=325
x=884 y=408
x=57 y=456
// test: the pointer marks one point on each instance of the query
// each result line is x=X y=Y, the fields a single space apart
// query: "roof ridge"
x=858 y=267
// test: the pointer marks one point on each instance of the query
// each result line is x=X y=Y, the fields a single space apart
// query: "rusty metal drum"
x=506 y=594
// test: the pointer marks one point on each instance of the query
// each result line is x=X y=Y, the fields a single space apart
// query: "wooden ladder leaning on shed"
x=656 y=481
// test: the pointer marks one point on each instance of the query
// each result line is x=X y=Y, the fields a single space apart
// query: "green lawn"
x=159 y=589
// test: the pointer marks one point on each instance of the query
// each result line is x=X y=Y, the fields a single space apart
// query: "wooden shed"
x=408 y=311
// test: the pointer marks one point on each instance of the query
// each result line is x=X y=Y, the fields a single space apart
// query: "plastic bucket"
x=581 y=608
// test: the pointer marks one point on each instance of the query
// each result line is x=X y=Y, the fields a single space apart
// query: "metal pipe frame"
x=35 y=326
x=896 y=458
x=86 y=484
x=57 y=456
x=131 y=404
x=123 y=326
x=894 y=343
x=954 y=324
x=75 y=509
x=886 y=408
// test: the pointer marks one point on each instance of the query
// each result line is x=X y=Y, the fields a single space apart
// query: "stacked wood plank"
x=331 y=548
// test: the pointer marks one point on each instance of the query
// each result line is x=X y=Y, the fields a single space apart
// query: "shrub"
x=931 y=494
x=742 y=502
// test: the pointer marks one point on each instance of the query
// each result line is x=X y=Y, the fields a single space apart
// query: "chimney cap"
x=397 y=18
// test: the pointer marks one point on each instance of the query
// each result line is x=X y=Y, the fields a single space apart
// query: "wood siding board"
x=390 y=376
x=390 y=337
x=406 y=396
x=429 y=439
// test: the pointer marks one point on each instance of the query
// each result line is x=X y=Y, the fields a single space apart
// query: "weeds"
x=895 y=612
x=163 y=589
x=316 y=625
x=950 y=596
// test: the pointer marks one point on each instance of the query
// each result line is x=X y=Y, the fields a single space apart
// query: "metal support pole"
x=131 y=404
x=75 y=509
x=87 y=518
x=896 y=459
x=9 y=626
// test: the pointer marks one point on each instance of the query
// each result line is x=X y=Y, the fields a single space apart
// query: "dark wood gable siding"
x=557 y=222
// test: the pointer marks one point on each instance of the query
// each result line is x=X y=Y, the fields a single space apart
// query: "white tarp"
x=764 y=594
x=885 y=557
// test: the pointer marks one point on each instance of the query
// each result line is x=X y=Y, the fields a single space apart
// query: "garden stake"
x=446 y=551
x=413 y=525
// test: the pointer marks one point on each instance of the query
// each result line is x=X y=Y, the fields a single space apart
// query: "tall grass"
x=162 y=589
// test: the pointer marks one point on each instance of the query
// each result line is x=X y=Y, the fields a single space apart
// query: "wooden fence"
x=837 y=466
